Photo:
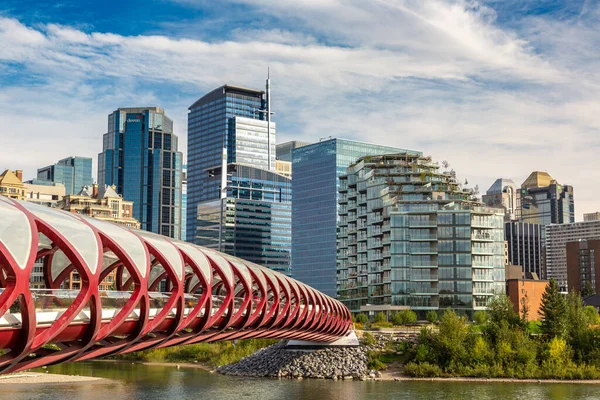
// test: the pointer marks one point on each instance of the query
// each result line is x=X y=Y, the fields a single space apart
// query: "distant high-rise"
x=545 y=202
x=504 y=194
x=315 y=170
x=284 y=150
x=140 y=158
x=592 y=216
x=525 y=246
x=557 y=237
x=227 y=125
x=72 y=172
x=183 y=201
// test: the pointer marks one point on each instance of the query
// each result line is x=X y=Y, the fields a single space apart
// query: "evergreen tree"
x=554 y=311
x=588 y=290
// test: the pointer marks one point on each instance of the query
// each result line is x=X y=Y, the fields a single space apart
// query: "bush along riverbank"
x=565 y=345
x=209 y=354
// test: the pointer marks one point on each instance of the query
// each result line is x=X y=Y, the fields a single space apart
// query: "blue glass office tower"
x=140 y=158
x=73 y=172
x=254 y=219
x=229 y=117
x=316 y=169
x=183 y=201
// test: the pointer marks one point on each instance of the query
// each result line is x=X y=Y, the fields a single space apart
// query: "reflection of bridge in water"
x=208 y=296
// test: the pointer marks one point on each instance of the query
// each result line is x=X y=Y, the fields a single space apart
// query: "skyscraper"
x=284 y=150
x=183 y=201
x=72 y=172
x=410 y=235
x=227 y=125
x=544 y=201
x=315 y=169
x=253 y=220
x=504 y=194
x=140 y=158
x=525 y=246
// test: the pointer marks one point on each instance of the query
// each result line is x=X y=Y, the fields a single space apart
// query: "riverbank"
x=33 y=378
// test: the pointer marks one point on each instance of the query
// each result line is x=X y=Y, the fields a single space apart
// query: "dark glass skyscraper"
x=73 y=172
x=140 y=158
x=253 y=221
x=316 y=169
x=228 y=122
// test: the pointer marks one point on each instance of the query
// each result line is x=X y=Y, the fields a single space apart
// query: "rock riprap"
x=278 y=362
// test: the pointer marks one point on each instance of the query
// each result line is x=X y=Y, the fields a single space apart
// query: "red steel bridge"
x=207 y=296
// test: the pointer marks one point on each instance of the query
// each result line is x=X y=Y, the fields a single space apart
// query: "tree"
x=432 y=316
x=588 y=290
x=380 y=317
x=525 y=308
x=480 y=317
x=361 y=319
x=554 y=311
x=500 y=308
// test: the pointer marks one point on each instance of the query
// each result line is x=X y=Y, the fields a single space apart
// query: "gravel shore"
x=30 y=378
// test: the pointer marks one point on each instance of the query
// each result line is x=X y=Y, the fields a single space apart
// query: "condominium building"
x=141 y=159
x=557 y=237
x=410 y=235
x=583 y=265
x=316 y=169
x=504 y=194
x=72 y=172
x=524 y=242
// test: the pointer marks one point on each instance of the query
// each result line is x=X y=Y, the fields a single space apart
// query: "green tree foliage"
x=432 y=316
x=587 y=290
x=404 y=317
x=592 y=315
x=361 y=319
x=501 y=309
x=554 y=311
x=380 y=317
x=480 y=317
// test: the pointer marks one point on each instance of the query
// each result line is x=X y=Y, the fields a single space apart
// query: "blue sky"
x=496 y=87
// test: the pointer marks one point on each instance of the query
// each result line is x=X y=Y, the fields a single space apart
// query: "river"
x=152 y=382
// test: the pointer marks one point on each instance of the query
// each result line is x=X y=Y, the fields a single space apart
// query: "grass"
x=212 y=354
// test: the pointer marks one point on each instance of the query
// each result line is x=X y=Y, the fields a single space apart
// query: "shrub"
x=423 y=370
x=382 y=325
x=368 y=339
x=432 y=316
x=404 y=317
x=374 y=362
x=361 y=319
x=380 y=317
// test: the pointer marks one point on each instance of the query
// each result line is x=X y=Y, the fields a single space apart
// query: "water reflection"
x=135 y=381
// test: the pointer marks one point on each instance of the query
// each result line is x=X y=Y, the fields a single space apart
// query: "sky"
x=498 y=88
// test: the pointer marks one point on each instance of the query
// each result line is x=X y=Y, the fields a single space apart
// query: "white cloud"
x=439 y=76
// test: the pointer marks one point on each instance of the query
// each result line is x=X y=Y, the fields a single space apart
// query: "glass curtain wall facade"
x=141 y=160
x=545 y=202
x=183 y=201
x=254 y=218
x=316 y=168
x=73 y=172
x=525 y=246
x=409 y=235
x=230 y=118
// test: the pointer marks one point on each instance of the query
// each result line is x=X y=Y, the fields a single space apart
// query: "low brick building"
x=528 y=291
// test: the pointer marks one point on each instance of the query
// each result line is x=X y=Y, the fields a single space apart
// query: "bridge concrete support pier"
x=350 y=340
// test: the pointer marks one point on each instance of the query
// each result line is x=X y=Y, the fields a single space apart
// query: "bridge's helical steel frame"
x=255 y=302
